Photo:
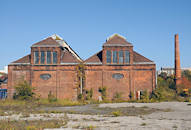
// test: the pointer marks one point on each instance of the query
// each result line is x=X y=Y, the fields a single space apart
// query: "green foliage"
x=117 y=96
x=165 y=90
x=102 y=90
x=51 y=97
x=80 y=70
x=145 y=96
x=89 y=94
x=24 y=91
x=187 y=74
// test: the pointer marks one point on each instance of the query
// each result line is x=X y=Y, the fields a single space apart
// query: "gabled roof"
x=96 y=58
x=48 y=42
x=116 y=40
x=23 y=60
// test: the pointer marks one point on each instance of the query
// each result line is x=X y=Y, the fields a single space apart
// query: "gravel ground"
x=176 y=116
x=170 y=116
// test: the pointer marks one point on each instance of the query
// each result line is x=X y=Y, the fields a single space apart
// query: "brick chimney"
x=177 y=61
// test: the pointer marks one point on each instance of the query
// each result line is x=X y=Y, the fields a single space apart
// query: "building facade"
x=52 y=67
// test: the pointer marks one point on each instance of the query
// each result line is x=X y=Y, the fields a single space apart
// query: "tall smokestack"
x=177 y=62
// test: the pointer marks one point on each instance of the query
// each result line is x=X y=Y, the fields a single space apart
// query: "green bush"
x=23 y=91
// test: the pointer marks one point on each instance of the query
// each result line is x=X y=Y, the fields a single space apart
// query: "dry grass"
x=30 y=125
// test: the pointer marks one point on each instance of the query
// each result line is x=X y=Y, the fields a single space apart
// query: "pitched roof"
x=68 y=57
x=139 y=58
x=47 y=42
x=25 y=59
x=116 y=40
x=96 y=58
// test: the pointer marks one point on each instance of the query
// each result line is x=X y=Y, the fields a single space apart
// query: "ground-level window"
x=54 y=57
x=36 y=57
x=127 y=55
x=42 y=57
x=120 y=56
x=48 y=57
x=108 y=56
x=114 y=56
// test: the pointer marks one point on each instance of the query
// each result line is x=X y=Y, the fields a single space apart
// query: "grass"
x=30 y=125
x=116 y=113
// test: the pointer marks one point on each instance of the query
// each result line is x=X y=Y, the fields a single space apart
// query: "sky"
x=150 y=25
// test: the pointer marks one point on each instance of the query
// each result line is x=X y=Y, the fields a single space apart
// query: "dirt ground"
x=133 y=116
x=174 y=115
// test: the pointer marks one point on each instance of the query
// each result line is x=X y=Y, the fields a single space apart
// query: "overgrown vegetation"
x=102 y=90
x=23 y=91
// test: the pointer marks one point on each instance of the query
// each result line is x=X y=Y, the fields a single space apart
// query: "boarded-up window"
x=108 y=57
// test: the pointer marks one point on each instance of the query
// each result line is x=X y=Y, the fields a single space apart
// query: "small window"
x=36 y=57
x=42 y=57
x=108 y=57
x=115 y=57
x=120 y=57
x=48 y=57
x=127 y=58
x=54 y=57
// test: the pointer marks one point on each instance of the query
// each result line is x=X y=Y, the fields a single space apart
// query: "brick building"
x=51 y=67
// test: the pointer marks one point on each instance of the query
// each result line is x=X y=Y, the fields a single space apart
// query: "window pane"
x=108 y=56
x=48 y=57
x=54 y=57
x=42 y=57
x=127 y=59
x=120 y=56
x=114 y=56
x=36 y=57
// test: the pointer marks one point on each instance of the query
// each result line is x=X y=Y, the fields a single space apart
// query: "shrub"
x=24 y=91
x=117 y=96
x=51 y=97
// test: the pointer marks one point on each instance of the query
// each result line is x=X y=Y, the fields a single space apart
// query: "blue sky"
x=149 y=25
